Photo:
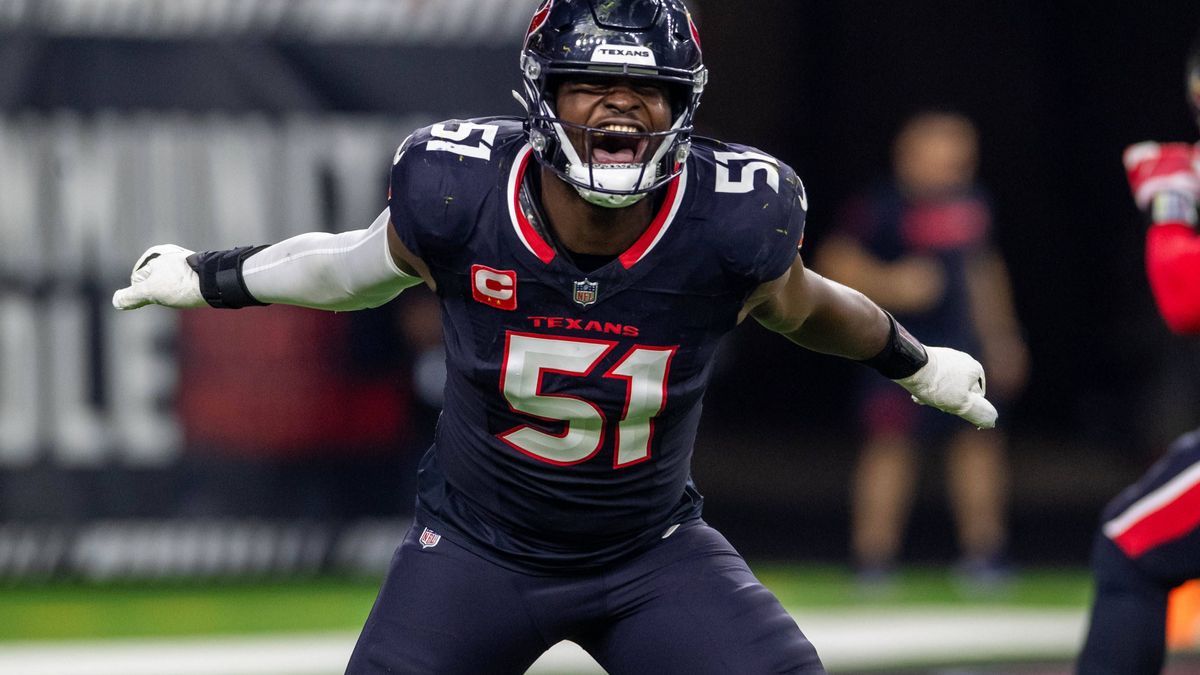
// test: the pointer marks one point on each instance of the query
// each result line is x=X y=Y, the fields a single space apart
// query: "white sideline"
x=849 y=639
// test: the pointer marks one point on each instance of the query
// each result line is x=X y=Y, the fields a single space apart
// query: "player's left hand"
x=952 y=382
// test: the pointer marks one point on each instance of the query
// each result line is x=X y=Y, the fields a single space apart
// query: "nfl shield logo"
x=429 y=539
x=586 y=292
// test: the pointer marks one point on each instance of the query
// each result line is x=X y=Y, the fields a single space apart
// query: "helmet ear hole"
x=680 y=97
x=550 y=93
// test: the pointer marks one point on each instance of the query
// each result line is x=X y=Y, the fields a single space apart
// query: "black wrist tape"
x=221 y=281
x=902 y=356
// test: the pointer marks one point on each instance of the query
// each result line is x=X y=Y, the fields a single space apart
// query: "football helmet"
x=640 y=40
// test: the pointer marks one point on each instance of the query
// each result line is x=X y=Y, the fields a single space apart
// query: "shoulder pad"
x=442 y=173
x=760 y=203
x=478 y=139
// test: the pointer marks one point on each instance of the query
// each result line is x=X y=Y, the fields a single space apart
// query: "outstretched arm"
x=1165 y=182
x=339 y=272
x=828 y=317
x=1173 y=265
x=820 y=314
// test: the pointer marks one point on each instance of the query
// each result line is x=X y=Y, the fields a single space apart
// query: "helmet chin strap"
x=620 y=175
x=609 y=201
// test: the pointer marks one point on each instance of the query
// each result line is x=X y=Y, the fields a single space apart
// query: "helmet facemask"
x=612 y=168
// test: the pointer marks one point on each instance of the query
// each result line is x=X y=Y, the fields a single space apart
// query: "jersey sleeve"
x=431 y=193
x=781 y=243
x=755 y=207
x=1173 y=266
x=771 y=228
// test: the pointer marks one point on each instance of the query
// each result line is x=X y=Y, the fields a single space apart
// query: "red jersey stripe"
x=525 y=230
x=1164 y=515
x=658 y=227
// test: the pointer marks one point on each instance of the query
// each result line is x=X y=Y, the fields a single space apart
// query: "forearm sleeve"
x=339 y=272
x=1173 y=266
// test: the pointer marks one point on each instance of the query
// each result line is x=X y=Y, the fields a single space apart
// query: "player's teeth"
x=620 y=128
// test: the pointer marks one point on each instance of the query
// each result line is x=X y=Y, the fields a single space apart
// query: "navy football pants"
x=1149 y=544
x=687 y=605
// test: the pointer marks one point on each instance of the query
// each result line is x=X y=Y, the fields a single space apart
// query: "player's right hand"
x=161 y=276
x=1155 y=168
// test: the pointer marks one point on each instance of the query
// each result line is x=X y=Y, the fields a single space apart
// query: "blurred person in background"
x=587 y=260
x=1148 y=546
x=920 y=246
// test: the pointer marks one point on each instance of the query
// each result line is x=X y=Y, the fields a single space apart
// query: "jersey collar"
x=542 y=250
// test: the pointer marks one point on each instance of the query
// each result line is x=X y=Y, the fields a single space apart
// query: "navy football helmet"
x=647 y=40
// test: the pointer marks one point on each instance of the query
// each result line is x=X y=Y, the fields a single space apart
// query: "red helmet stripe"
x=539 y=19
x=695 y=32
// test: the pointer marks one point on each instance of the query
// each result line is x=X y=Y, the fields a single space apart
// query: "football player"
x=1149 y=542
x=587 y=257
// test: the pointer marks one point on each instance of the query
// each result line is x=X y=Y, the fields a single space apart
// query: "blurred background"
x=281 y=444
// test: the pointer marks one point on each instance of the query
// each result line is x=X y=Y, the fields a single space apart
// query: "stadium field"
x=74 y=611
x=928 y=622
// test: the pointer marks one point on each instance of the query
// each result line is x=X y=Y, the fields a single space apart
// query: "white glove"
x=161 y=276
x=952 y=382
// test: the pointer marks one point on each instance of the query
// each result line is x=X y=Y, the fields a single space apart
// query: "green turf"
x=825 y=587
x=74 y=611
x=82 y=611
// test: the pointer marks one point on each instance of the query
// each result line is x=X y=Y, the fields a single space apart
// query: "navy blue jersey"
x=572 y=398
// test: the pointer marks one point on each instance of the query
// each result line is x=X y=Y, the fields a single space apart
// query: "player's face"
x=936 y=156
x=621 y=106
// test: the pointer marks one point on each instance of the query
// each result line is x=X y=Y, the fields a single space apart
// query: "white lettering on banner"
x=495 y=22
x=19 y=382
x=78 y=433
x=85 y=195
x=141 y=375
x=80 y=199
x=47 y=384
x=21 y=248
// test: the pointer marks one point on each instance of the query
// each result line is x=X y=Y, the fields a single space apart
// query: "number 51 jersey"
x=573 y=398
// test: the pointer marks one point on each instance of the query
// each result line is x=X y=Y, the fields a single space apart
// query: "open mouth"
x=618 y=144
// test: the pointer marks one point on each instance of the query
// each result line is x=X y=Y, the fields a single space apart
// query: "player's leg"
x=447 y=611
x=691 y=605
x=885 y=478
x=1149 y=544
x=1128 y=627
x=883 y=488
x=977 y=481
